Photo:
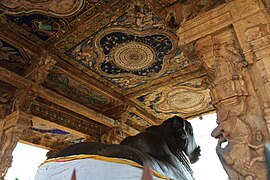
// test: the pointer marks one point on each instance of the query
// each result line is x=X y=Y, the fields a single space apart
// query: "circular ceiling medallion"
x=185 y=100
x=133 y=56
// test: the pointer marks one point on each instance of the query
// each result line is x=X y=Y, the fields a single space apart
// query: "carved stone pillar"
x=233 y=42
x=11 y=128
x=239 y=114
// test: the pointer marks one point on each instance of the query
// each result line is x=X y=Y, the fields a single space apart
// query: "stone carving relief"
x=231 y=97
x=266 y=111
x=233 y=130
x=258 y=148
x=42 y=69
x=257 y=52
x=257 y=38
x=267 y=5
x=6 y=94
x=241 y=152
x=112 y=136
x=223 y=63
x=12 y=126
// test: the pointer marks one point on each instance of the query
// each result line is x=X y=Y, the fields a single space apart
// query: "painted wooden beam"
x=20 y=82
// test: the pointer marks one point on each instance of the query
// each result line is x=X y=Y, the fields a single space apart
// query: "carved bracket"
x=39 y=71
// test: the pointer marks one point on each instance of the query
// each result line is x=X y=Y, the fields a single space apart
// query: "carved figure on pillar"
x=258 y=148
x=233 y=130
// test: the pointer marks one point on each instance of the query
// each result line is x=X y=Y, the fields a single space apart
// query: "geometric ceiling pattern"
x=126 y=59
x=117 y=58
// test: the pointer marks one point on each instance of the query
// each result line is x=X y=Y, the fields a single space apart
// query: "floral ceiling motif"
x=131 y=51
x=185 y=98
x=125 y=53
x=125 y=57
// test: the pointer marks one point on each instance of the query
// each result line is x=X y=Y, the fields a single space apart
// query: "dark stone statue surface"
x=168 y=148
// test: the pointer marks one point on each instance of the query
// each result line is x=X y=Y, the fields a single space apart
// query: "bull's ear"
x=177 y=121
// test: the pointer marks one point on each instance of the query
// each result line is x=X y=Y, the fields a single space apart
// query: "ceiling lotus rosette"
x=126 y=54
x=133 y=51
x=126 y=57
x=182 y=99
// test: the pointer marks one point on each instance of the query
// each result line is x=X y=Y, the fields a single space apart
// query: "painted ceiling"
x=119 y=58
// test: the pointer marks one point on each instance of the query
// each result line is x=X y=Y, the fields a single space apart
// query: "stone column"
x=239 y=114
x=11 y=128
x=18 y=121
x=233 y=42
